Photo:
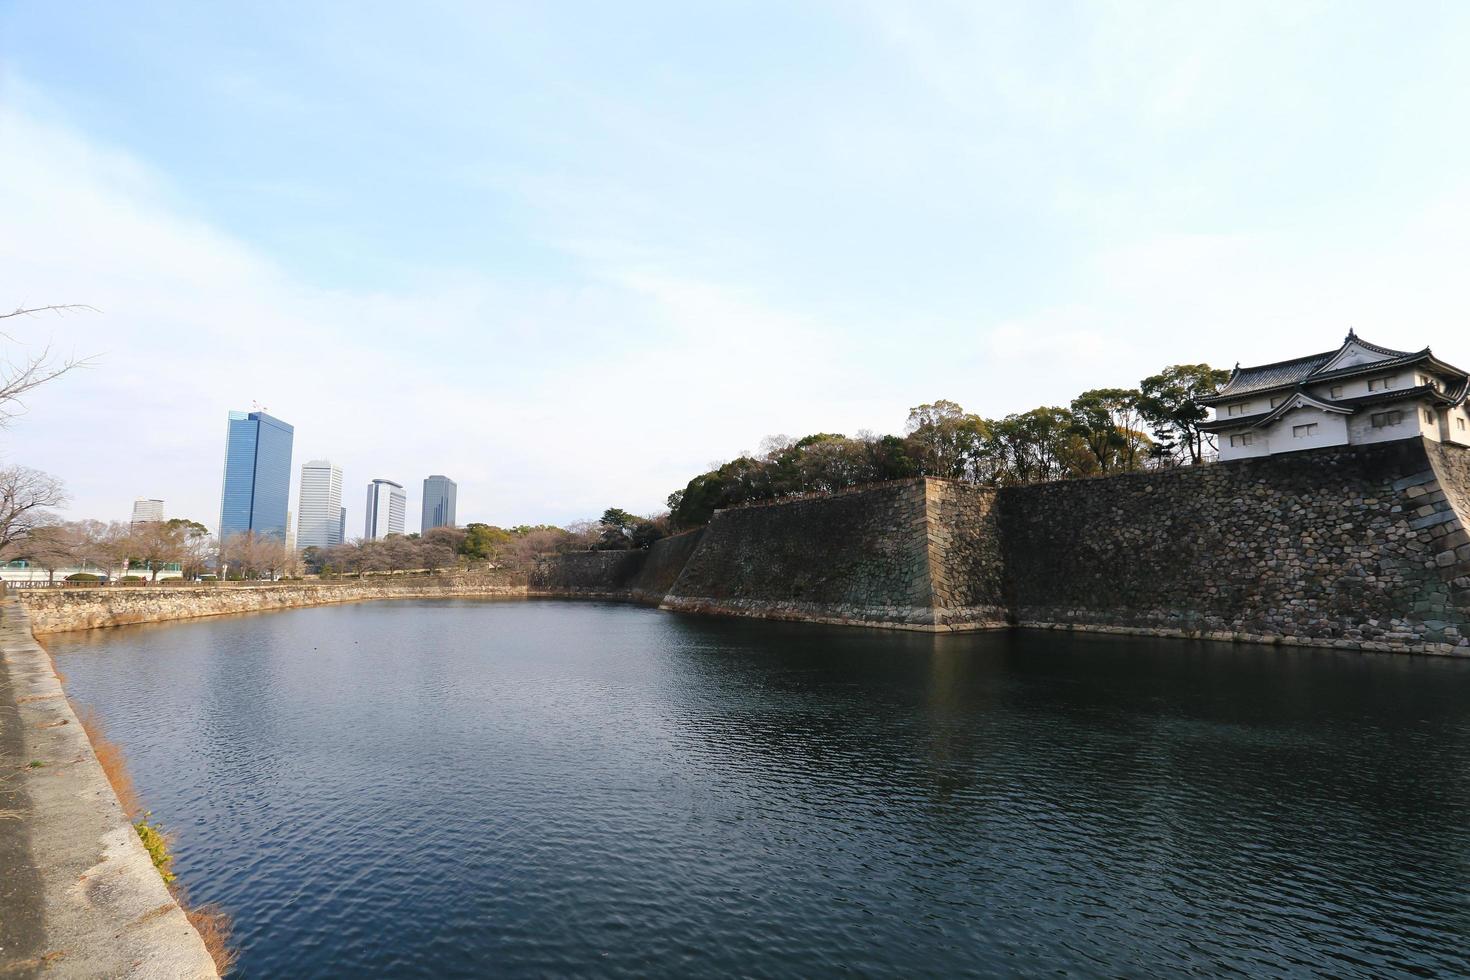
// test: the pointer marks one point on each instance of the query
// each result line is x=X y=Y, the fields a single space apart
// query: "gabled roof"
x=1299 y=400
x=1319 y=367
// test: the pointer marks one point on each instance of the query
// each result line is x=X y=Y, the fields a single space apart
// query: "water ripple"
x=448 y=788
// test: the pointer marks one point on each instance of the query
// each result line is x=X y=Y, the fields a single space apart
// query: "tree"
x=156 y=545
x=25 y=498
x=21 y=376
x=484 y=542
x=946 y=439
x=1170 y=403
x=199 y=546
x=1109 y=420
x=50 y=547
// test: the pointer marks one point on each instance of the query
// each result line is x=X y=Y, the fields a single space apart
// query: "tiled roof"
x=1246 y=380
x=1301 y=370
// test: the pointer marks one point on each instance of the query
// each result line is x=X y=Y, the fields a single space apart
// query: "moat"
x=437 y=788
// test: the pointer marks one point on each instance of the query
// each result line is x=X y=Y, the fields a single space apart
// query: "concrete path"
x=79 y=896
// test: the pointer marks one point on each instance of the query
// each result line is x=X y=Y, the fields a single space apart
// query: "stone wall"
x=1363 y=548
x=600 y=574
x=912 y=554
x=966 y=565
x=58 y=609
x=662 y=565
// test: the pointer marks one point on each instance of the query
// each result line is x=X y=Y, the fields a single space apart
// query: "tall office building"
x=438 y=503
x=319 y=505
x=386 y=506
x=147 y=511
x=342 y=525
x=257 y=481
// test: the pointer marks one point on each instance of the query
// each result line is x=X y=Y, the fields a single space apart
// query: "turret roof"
x=1316 y=367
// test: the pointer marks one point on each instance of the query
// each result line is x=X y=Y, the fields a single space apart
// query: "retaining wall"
x=662 y=565
x=911 y=554
x=59 y=609
x=1362 y=547
x=81 y=897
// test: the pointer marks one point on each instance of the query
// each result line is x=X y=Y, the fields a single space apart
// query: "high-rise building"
x=438 y=503
x=342 y=525
x=146 y=511
x=319 y=505
x=386 y=506
x=257 y=481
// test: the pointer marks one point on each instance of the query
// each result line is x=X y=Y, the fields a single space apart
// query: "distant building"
x=386 y=507
x=257 y=483
x=1355 y=394
x=319 y=505
x=146 y=511
x=342 y=525
x=438 y=510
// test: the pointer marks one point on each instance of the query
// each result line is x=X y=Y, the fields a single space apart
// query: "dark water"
x=440 y=788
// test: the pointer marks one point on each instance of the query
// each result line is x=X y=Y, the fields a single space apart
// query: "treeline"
x=117 y=549
x=1104 y=430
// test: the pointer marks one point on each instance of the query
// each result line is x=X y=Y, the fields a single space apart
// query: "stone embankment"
x=1360 y=548
x=79 y=895
x=912 y=554
x=59 y=609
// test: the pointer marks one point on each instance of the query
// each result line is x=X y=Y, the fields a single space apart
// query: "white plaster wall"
x=1261 y=446
x=1362 y=433
x=1332 y=430
x=1453 y=420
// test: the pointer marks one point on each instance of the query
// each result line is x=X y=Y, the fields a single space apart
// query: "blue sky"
x=572 y=254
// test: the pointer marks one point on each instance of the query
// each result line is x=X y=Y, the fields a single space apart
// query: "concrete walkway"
x=79 y=896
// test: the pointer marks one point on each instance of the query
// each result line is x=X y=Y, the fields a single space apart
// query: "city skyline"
x=927 y=210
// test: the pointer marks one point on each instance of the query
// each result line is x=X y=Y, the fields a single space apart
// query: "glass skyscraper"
x=257 y=476
x=438 y=508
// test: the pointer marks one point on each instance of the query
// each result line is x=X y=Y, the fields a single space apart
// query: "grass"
x=114 y=763
x=35 y=764
x=156 y=842
x=210 y=921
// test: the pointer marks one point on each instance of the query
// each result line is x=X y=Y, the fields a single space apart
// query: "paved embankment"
x=79 y=896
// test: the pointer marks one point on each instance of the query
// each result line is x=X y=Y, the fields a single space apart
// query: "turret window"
x=1336 y=391
x=1429 y=416
x=1382 y=420
x=1304 y=431
x=1380 y=384
x=1244 y=439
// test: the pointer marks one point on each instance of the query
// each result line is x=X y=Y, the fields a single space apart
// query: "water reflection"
x=453 y=788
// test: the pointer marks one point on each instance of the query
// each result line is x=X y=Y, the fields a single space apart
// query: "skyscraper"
x=319 y=505
x=386 y=506
x=147 y=511
x=439 y=494
x=257 y=481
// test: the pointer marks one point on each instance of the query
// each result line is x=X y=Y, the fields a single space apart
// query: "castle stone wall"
x=1362 y=547
x=858 y=556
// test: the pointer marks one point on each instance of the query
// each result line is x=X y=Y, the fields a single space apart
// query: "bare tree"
x=50 y=547
x=20 y=375
x=25 y=498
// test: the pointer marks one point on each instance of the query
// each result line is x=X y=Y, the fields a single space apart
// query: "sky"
x=572 y=254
